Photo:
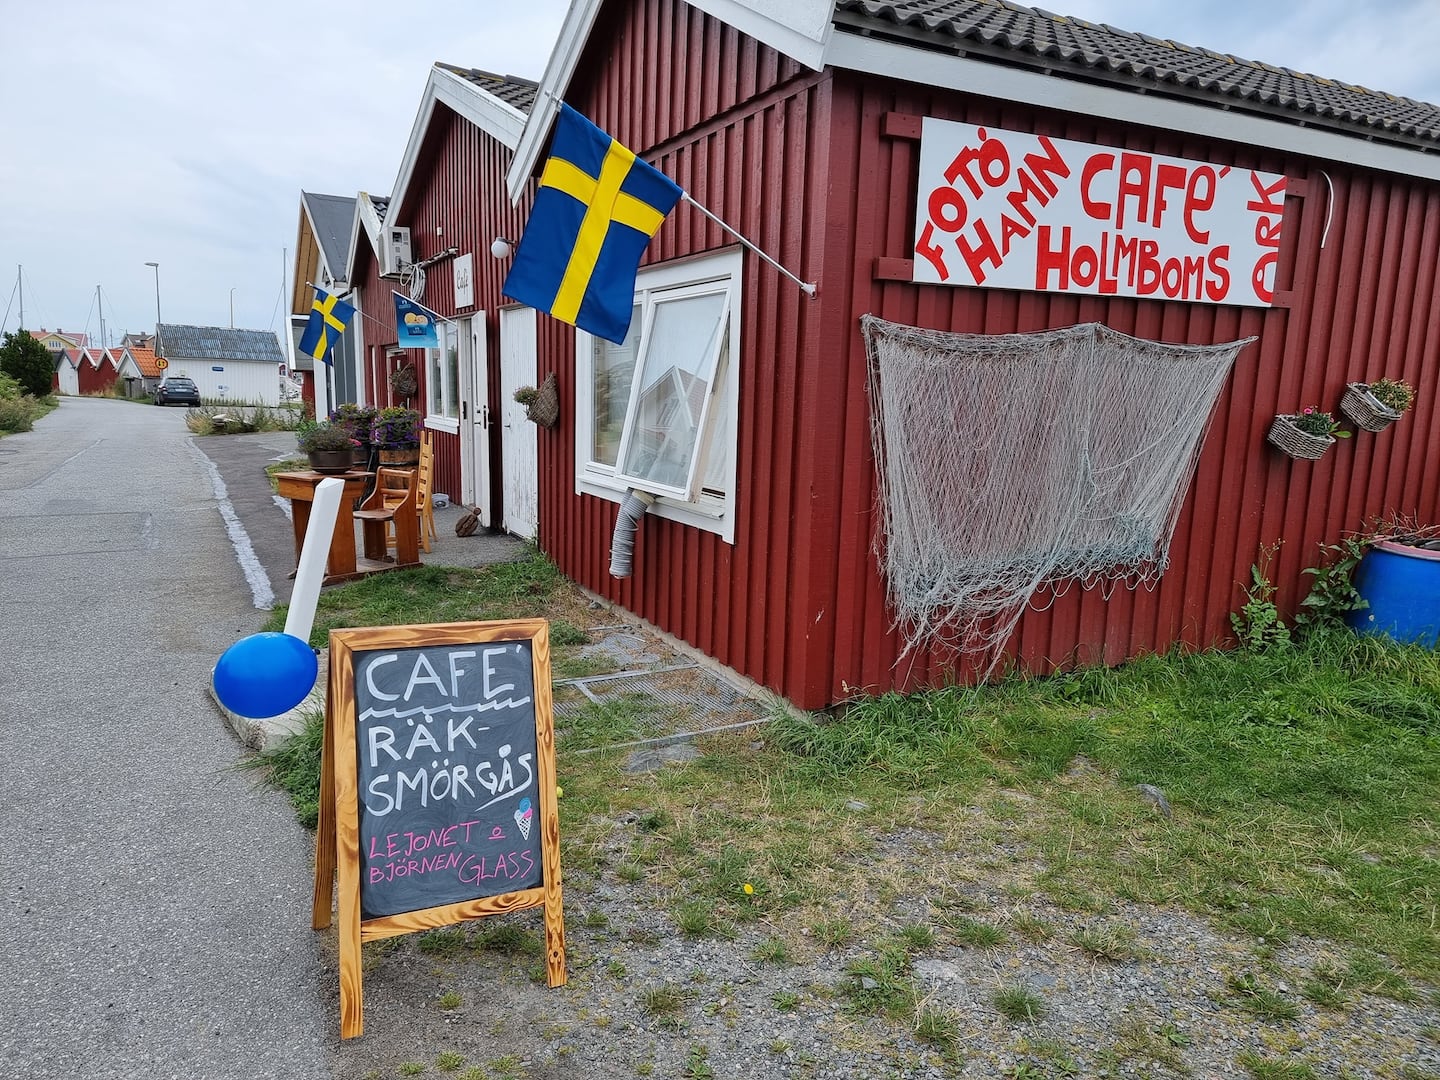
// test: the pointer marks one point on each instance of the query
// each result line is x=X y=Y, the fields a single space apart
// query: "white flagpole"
x=807 y=287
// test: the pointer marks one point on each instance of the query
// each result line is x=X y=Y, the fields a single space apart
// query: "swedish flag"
x=329 y=316
x=595 y=211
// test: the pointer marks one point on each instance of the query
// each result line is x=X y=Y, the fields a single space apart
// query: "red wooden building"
x=803 y=129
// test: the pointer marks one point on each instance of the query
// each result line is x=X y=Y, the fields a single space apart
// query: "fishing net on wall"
x=1012 y=462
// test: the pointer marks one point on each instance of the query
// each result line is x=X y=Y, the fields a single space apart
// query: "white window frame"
x=707 y=510
x=437 y=370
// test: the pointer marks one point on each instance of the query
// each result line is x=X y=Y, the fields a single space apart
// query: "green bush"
x=17 y=413
x=27 y=362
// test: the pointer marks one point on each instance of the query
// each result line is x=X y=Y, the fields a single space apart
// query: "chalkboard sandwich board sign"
x=437 y=779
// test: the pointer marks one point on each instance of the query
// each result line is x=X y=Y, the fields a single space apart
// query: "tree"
x=27 y=362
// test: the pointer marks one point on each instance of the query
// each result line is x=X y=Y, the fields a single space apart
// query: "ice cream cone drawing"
x=524 y=816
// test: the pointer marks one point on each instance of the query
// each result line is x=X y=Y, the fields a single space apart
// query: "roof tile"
x=998 y=27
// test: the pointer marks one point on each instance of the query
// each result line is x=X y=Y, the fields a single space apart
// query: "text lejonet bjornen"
x=1011 y=210
x=449 y=735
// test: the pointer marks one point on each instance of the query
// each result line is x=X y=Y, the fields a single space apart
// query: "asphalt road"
x=155 y=920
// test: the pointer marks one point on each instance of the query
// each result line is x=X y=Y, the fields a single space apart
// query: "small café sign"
x=1016 y=210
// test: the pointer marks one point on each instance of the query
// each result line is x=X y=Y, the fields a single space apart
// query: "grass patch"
x=294 y=767
x=1262 y=1068
x=1018 y=1003
x=975 y=933
x=1259 y=1000
x=663 y=1002
x=1108 y=941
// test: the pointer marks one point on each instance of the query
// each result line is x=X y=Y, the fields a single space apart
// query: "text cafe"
x=1012 y=210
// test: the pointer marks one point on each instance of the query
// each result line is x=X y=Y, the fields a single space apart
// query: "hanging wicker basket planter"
x=404 y=381
x=1287 y=435
x=1362 y=407
x=545 y=409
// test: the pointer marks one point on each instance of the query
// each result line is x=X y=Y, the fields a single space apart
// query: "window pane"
x=452 y=373
x=673 y=388
x=434 y=390
x=614 y=371
x=715 y=474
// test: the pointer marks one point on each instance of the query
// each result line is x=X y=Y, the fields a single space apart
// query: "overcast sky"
x=182 y=133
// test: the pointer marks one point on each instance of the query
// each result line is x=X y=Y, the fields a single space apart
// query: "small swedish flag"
x=329 y=316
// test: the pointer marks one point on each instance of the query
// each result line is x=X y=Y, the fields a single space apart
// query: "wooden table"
x=299 y=488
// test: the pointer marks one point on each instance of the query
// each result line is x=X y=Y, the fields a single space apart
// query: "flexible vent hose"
x=627 y=523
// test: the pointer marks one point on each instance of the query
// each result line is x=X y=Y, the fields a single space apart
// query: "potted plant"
x=329 y=446
x=542 y=403
x=395 y=434
x=404 y=381
x=1306 y=434
x=358 y=420
x=1375 y=406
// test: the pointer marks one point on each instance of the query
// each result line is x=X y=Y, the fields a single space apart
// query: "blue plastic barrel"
x=1402 y=584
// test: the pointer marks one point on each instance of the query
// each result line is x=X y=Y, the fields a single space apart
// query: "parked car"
x=177 y=390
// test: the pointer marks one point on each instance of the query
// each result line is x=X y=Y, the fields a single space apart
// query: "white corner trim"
x=794 y=42
x=574 y=33
x=997 y=80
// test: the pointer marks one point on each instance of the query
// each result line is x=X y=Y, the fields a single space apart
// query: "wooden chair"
x=424 y=482
x=390 y=512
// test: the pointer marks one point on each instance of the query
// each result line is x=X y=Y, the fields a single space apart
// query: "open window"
x=656 y=413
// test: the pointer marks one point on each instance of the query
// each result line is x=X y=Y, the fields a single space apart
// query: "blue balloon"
x=265 y=674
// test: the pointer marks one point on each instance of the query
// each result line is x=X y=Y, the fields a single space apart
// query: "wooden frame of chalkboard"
x=437 y=787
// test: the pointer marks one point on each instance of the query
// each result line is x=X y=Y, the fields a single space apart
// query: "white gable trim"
x=364 y=214
x=499 y=119
x=997 y=80
x=806 y=47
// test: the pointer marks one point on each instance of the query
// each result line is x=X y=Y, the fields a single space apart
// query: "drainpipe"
x=627 y=523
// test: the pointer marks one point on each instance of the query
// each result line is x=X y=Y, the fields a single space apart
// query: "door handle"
x=464 y=410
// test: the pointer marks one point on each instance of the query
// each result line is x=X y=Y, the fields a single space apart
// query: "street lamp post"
x=156 y=267
x=232 y=307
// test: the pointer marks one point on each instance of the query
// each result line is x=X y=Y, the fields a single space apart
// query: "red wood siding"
x=458 y=187
x=796 y=160
x=1362 y=307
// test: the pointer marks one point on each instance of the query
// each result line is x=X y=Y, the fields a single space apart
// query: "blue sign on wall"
x=217 y=368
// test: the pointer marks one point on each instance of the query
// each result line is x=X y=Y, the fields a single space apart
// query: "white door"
x=519 y=454
x=475 y=418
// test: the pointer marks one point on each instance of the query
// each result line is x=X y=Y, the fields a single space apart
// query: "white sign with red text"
x=1010 y=210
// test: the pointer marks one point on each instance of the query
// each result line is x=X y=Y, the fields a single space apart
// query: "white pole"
x=806 y=287
x=313 y=553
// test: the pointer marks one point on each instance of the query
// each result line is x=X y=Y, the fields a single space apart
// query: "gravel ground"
x=645 y=999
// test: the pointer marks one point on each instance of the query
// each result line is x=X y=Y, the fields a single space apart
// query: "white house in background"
x=239 y=366
x=67 y=370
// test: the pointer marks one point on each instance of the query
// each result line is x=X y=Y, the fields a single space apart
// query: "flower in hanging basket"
x=526 y=395
x=1375 y=406
x=1313 y=421
x=1307 y=434
x=396 y=429
x=1395 y=394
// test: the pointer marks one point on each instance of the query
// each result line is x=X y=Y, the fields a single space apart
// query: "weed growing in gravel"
x=877 y=984
x=449 y=1000
x=696 y=918
x=1272 y=1069
x=771 y=950
x=1054 y=1056
x=663 y=1001
x=449 y=1061
x=441 y=942
x=1325 y=986
x=973 y=932
x=1250 y=994
x=1031 y=927
x=833 y=933
x=1139 y=1038
x=697 y=1064
x=785 y=1000
x=1107 y=941
x=916 y=937
x=508 y=940
x=779 y=1046
x=1018 y=1003
x=411 y=1068
x=616 y=969
x=940 y=1028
